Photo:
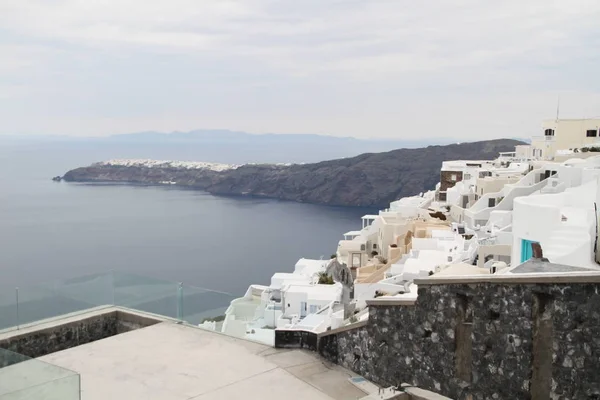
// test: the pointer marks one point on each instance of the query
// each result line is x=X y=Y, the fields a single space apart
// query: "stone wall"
x=481 y=340
x=446 y=180
x=60 y=336
x=295 y=339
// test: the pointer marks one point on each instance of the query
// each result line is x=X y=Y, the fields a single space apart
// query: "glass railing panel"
x=146 y=294
x=67 y=388
x=62 y=297
x=200 y=304
x=23 y=378
x=8 y=308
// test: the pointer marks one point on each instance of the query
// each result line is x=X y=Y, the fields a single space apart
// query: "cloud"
x=273 y=54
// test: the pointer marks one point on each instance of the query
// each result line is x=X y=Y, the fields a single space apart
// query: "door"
x=302 y=309
x=526 y=250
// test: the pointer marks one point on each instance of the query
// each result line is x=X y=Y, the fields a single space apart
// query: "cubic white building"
x=484 y=217
x=564 y=134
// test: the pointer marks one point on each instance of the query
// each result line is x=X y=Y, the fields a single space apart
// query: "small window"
x=467 y=176
x=591 y=133
x=549 y=132
x=453 y=177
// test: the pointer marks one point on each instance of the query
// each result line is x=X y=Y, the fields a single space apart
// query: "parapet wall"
x=482 y=338
x=60 y=335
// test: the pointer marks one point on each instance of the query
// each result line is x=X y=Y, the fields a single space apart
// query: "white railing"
x=527 y=180
x=505 y=203
x=546 y=138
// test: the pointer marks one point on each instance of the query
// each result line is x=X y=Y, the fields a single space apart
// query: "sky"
x=364 y=68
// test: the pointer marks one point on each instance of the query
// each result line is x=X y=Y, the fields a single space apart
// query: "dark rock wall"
x=60 y=337
x=291 y=339
x=482 y=341
x=446 y=180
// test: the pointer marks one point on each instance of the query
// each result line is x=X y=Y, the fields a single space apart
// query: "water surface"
x=54 y=230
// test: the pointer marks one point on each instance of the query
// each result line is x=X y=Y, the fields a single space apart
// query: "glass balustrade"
x=29 y=305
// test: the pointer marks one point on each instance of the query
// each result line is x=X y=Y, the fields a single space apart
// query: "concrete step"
x=415 y=393
x=364 y=385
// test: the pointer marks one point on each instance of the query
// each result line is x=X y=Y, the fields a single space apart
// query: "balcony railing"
x=32 y=304
x=543 y=138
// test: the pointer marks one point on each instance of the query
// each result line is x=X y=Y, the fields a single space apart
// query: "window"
x=591 y=133
x=467 y=176
x=549 y=132
x=313 y=309
x=453 y=177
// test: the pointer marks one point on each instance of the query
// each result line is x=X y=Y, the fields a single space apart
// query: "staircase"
x=567 y=243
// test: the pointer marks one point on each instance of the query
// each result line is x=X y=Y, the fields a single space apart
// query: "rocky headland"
x=367 y=180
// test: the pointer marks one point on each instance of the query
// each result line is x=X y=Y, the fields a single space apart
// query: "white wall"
x=567 y=134
x=292 y=303
x=271 y=316
x=234 y=327
x=425 y=244
x=589 y=175
x=292 y=299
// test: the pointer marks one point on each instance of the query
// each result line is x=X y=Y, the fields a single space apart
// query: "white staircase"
x=567 y=244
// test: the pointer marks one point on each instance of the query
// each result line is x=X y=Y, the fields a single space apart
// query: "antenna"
x=557 y=107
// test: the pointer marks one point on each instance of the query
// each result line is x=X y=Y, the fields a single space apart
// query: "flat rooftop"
x=533 y=266
x=168 y=361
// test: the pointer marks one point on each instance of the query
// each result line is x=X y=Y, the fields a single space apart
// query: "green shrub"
x=325 y=279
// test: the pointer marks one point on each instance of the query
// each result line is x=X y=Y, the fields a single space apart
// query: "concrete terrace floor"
x=168 y=361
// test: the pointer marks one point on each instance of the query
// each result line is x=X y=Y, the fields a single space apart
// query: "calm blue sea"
x=54 y=230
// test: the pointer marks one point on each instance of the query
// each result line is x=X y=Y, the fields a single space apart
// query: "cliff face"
x=366 y=180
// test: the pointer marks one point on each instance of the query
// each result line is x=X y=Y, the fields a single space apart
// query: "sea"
x=51 y=231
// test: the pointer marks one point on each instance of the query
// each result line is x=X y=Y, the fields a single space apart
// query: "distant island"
x=367 y=180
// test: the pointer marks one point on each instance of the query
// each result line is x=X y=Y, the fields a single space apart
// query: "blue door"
x=526 y=250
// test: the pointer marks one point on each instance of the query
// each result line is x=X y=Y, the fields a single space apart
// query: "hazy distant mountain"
x=223 y=146
x=215 y=136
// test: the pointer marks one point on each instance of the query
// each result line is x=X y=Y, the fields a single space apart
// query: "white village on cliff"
x=486 y=287
x=484 y=217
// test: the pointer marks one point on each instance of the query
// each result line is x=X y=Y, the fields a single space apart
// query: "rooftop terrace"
x=172 y=361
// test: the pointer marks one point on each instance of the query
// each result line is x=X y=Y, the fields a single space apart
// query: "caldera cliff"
x=369 y=180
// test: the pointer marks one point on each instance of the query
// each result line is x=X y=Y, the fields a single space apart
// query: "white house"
x=560 y=134
x=564 y=224
x=543 y=193
x=300 y=300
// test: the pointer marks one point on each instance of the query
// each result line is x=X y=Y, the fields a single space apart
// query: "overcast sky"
x=364 y=68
